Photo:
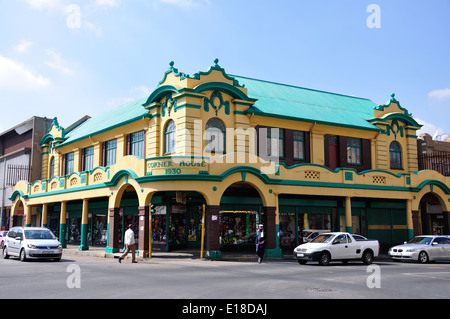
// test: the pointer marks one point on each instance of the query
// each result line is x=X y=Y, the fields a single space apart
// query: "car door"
x=446 y=248
x=436 y=251
x=11 y=242
x=18 y=241
x=339 y=248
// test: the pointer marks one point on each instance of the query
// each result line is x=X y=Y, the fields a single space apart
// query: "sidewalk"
x=99 y=252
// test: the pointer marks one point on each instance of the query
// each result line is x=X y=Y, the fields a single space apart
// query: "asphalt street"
x=83 y=277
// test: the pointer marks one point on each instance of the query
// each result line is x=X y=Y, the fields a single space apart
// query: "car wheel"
x=324 y=259
x=5 y=253
x=301 y=262
x=23 y=255
x=423 y=257
x=367 y=257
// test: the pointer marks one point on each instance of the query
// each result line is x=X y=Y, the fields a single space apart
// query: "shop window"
x=169 y=137
x=354 y=151
x=215 y=136
x=137 y=144
x=88 y=158
x=395 y=155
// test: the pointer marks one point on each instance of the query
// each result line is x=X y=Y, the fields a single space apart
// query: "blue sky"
x=68 y=58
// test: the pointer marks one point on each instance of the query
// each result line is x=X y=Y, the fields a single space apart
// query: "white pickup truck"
x=337 y=246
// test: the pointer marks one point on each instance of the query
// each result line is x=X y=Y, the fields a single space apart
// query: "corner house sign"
x=176 y=166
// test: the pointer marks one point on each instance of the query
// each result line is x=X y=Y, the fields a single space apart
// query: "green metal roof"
x=273 y=99
x=122 y=115
x=287 y=101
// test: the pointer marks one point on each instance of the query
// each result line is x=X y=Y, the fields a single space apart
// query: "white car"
x=337 y=246
x=423 y=249
x=32 y=243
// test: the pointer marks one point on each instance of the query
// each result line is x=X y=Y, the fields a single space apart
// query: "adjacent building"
x=242 y=152
x=20 y=160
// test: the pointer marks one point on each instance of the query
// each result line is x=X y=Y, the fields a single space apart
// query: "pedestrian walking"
x=260 y=243
x=130 y=244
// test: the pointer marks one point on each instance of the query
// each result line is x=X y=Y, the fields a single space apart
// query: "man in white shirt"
x=129 y=244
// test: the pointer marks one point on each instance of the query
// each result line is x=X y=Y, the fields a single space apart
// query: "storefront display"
x=237 y=229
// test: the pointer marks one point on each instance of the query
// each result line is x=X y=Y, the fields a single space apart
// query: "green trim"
x=299 y=119
x=224 y=87
x=388 y=103
x=159 y=92
x=84 y=233
x=62 y=235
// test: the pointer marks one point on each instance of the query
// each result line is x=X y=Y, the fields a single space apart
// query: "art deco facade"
x=250 y=151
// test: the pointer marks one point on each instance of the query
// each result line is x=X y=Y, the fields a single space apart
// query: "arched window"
x=395 y=155
x=169 y=137
x=215 y=136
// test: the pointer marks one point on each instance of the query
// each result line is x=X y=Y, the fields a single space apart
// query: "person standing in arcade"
x=260 y=243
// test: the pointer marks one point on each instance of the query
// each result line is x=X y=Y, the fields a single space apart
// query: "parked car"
x=310 y=234
x=423 y=249
x=32 y=243
x=2 y=237
x=337 y=246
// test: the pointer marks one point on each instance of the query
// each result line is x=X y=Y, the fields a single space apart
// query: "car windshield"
x=325 y=238
x=421 y=240
x=39 y=234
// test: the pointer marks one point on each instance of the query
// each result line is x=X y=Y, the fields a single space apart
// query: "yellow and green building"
x=246 y=151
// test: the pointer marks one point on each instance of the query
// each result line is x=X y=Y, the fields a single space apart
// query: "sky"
x=67 y=58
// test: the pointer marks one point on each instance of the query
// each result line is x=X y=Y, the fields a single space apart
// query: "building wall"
x=190 y=102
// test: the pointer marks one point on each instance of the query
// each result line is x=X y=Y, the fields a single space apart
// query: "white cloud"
x=108 y=3
x=429 y=128
x=47 y=4
x=16 y=75
x=441 y=94
x=185 y=3
x=57 y=62
x=23 y=46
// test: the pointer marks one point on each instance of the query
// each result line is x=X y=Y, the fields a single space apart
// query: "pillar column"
x=44 y=215
x=113 y=231
x=84 y=225
x=212 y=224
x=62 y=224
x=270 y=227
x=409 y=219
x=143 y=231
x=348 y=215
x=27 y=215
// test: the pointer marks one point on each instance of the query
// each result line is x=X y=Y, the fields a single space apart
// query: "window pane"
x=395 y=155
x=69 y=163
x=137 y=144
x=299 y=145
x=215 y=136
x=353 y=150
x=89 y=158
x=275 y=142
x=170 y=138
x=111 y=152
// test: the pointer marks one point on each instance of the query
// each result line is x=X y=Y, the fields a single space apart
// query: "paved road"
x=202 y=279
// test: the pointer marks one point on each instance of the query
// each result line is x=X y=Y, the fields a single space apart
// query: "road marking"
x=427 y=275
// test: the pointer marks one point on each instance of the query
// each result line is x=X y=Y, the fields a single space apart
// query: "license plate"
x=300 y=255
x=47 y=251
